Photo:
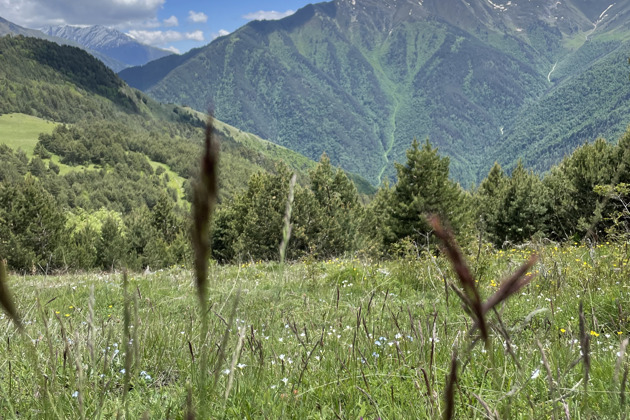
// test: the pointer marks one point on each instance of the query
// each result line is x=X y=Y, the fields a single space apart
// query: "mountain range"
x=109 y=42
x=484 y=80
x=114 y=48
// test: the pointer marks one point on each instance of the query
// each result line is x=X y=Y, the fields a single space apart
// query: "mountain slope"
x=65 y=84
x=109 y=42
x=359 y=79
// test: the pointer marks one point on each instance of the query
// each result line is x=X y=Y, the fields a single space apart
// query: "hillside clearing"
x=21 y=131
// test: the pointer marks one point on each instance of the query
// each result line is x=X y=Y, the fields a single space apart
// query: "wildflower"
x=281 y=357
x=241 y=365
x=285 y=380
x=562 y=330
x=226 y=372
x=67 y=315
x=594 y=333
x=619 y=332
x=123 y=371
x=75 y=394
x=535 y=374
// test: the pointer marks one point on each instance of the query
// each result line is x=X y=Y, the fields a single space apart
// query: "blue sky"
x=178 y=25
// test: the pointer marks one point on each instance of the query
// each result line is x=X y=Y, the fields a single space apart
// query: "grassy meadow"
x=344 y=339
x=21 y=131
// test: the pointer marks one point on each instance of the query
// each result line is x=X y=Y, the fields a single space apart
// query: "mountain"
x=109 y=42
x=359 y=79
x=67 y=85
x=9 y=28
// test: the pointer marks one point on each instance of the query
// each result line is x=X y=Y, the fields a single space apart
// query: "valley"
x=440 y=70
x=395 y=209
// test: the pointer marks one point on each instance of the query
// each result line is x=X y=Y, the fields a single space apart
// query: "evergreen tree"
x=424 y=188
x=111 y=246
x=33 y=226
x=490 y=198
x=337 y=209
x=522 y=211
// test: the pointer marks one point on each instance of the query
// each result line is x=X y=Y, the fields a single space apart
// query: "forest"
x=124 y=214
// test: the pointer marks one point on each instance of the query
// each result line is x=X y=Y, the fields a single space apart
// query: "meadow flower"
x=535 y=374
x=285 y=380
x=75 y=394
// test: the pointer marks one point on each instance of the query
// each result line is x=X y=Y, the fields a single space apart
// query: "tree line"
x=126 y=215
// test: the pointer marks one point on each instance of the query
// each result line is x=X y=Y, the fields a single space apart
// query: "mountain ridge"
x=10 y=28
x=110 y=42
x=359 y=79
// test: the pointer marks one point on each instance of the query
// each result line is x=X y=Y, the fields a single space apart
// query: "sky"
x=176 y=25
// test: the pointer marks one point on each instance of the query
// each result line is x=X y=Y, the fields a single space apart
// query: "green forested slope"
x=67 y=85
x=595 y=103
x=360 y=80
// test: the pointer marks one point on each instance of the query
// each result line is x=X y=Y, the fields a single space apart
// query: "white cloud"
x=164 y=37
x=268 y=15
x=172 y=21
x=197 y=17
x=36 y=13
x=172 y=49
x=222 y=32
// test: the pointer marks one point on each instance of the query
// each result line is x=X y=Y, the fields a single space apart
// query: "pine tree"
x=110 y=247
x=337 y=209
x=522 y=211
x=424 y=188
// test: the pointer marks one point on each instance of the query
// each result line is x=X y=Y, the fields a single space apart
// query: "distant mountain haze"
x=110 y=42
x=360 y=79
x=10 y=28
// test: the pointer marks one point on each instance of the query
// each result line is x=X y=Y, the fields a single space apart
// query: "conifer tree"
x=424 y=188
x=337 y=209
x=522 y=211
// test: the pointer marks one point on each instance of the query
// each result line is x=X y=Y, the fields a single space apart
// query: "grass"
x=21 y=131
x=333 y=339
x=174 y=180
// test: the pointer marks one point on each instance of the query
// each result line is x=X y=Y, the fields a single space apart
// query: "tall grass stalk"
x=286 y=231
x=204 y=198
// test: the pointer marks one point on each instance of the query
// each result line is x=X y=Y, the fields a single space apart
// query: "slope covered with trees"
x=364 y=78
x=109 y=156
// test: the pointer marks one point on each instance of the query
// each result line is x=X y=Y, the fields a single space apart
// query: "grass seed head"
x=204 y=197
